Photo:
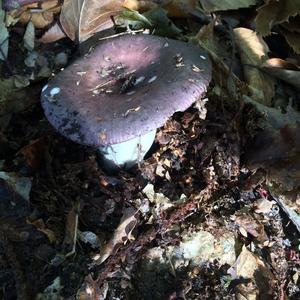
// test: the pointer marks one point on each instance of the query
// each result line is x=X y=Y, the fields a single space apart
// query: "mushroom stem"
x=126 y=154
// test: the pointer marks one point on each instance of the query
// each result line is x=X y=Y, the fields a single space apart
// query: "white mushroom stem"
x=128 y=153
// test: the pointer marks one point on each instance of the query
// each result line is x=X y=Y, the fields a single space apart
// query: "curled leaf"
x=254 y=51
x=283 y=70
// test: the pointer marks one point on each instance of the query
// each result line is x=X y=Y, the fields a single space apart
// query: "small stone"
x=61 y=59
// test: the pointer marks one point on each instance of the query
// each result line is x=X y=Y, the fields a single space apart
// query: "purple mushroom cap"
x=125 y=87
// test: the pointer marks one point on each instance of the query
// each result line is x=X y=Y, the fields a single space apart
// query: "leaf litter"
x=212 y=212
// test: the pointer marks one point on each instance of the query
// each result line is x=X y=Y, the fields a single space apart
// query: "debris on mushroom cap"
x=126 y=87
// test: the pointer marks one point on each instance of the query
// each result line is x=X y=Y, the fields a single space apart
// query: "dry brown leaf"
x=70 y=17
x=293 y=24
x=121 y=235
x=293 y=39
x=39 y=20
x=180 y=8
x=96 y=16
x=254 y=51
x=40 y=226
x=283 y=70
x=263 y=206
x=249 y=266
x=40 y=14
x=175 y=8
x=53 y=34
x=276 y=149
x=34 y=153
x=275 y=12
x=138 y=5
x=248 y=224
x=81 y=19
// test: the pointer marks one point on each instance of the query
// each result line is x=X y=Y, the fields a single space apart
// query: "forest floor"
x=212 y=212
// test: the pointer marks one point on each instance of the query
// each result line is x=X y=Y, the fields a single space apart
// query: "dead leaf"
x=21 y=185
x=12 y=99
x=70 y=17
x=15 y=5
x=29 y=36
x=216 y=5
x=293 y=24
x=175 y=8
x=53 y=34
x=275 y=12
x=263 y=206
x=248 y=224
x=180 y=8
x=34 y=153
x=283 y=70
x=160 y=200
x=40 y=226
x=121 y=235
x=96 y=16
x=80 y=19
x=293 y=39
x=249 y=266
x=254 y=51
x=39 y=20
x=276 y=148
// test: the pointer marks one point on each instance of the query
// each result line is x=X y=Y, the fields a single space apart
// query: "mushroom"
x=115 y=97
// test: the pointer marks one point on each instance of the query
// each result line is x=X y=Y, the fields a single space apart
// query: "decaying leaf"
x=39 y=20
x=277 y=147
x=53 y=34
x=81 y=19
x=40 y=226
x=3 y=35
x=247 y=224
x=275 y=12
x=253 y=52
x=264 y=206
x=121 y=235
x=216 y=5
x=96 y=16
x=180 y=8
x=293 y=39
x=249 y=266
x=283 y=70
x=160 y=200
x=21 y=185
x=70 y=17
x=34 y=153
x=29 y=36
